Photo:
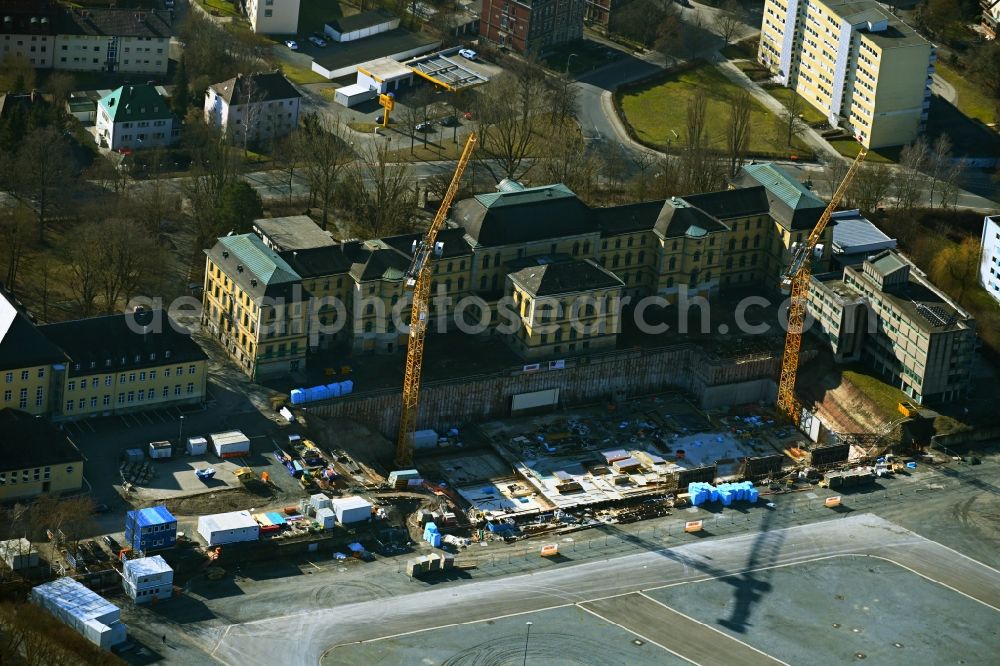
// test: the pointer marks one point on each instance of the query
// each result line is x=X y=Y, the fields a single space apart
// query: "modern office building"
x=861 y=66
x=989 y=262
x=885 y=313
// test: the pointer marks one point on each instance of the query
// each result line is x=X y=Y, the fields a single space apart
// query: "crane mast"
x=799 y=276
x=418 y=277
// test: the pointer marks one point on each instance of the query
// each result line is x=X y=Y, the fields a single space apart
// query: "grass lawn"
x=658 y=113
x=300 y=75
x=885 y=396
x=851 y=148
x=219 y=7
x=808 y=112
x=314 y=13
x=970 y=98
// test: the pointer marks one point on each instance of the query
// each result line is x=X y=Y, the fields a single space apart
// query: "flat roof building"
x=295 y=232
x=83 y=610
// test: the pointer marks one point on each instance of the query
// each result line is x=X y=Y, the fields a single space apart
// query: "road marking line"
x=527 y=612
x=708 y=626
x=942 y=584
x=634 y=633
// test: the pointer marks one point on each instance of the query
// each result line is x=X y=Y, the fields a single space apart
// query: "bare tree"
x=380 y=192
x=938 y=160
x=729 y=20
x=251 y=100
x=955 y=268
x=83 y=259
x=871 y=187
x=324 y=160
x=791 y=115
x=126 y=258
x=506 y=115
x=695 y=119
x=910 y=179
x=214 y=165
x=45 y=167
x=948 y=195
x=290 y=153
x=738 y=130
x=14 y=226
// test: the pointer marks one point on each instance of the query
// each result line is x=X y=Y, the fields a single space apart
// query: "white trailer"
x=222 y=528
x=356 y=93
x=230 y=444
x=160 y=450
x=351 y=509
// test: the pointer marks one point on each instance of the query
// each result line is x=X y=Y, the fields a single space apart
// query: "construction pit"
x=642 y=450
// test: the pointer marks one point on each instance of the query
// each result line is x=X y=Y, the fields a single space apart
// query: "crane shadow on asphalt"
x=750 y=585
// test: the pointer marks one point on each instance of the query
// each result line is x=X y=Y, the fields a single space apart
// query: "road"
x=243 y=621
x=266 y=639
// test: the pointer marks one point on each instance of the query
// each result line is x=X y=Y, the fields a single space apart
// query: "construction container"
x=160 y=450
x=232 y=527
x=150 y=529
x=148 y=578
x=18 y=554
x=434 y=562
x=424 y=439
x=320 y=501
x=197 y=446
x=326 y=518
x=133 y=455
x=351 y=509
x=230 y=444
x=83 y=610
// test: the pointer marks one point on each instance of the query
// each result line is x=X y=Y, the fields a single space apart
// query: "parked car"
x=292 y=44
x=378 y=119
x=448 y=121
x=317 y=40
x=425 y=126
x=468 y=54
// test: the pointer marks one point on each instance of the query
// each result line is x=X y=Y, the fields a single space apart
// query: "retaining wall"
x=627 y=373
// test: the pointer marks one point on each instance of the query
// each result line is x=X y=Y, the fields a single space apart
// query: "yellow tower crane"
x=798 y=276
x=418 y=277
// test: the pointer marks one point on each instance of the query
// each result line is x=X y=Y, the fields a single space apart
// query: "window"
x=107 y=380
x=22 y=401
x=177 y=389
x=107 y=399
x=69 y=469
x=121 y=398
x=152 y=375
x=83 y=403
x=39 y=396
x=142 y=395
x=131 y=396
x=190 y=388
x=166 y=391
x=24 y=375
x=150 y=394
x=9 y=377
x=131 y=377
x=41 y=372
x=179 y=371
x=166 y=372
x=69 y=405
x=142 y=376
x=121 y=377
x=71 y=386
x=7 y=395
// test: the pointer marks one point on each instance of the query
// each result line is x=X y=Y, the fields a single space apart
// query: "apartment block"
x=532 y=26
x=864 y=68
x=273 y=17
x=989 y=262
x=135 y=117
x=254 y=106
x=885 y=313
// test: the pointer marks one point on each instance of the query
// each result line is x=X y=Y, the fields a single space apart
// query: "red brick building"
x=532 y=26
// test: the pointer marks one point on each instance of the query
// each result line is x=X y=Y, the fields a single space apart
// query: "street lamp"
x=180 y=432
x=526 y=637
x=568 y=61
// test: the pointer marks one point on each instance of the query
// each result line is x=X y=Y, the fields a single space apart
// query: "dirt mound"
x=358 y=440
x=220 y=501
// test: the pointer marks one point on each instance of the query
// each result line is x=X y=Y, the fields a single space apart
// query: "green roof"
x=260 y=260
x=525 y=196
x=776 y=181
x=132 y=103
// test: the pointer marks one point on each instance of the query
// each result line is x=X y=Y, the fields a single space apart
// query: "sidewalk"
x=808 y=134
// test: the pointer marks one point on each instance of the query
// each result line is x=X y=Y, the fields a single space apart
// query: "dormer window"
x=166 y=354
x=152 y=356
x=138 y=358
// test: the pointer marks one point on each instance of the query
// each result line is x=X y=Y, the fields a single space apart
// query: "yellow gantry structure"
x=799 y=275
x=419 y=279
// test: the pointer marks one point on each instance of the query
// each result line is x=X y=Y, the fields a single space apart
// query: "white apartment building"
x=135 y=117
x=864 y=68
x=253 y=106
x=989 y=263
x=273 y=17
